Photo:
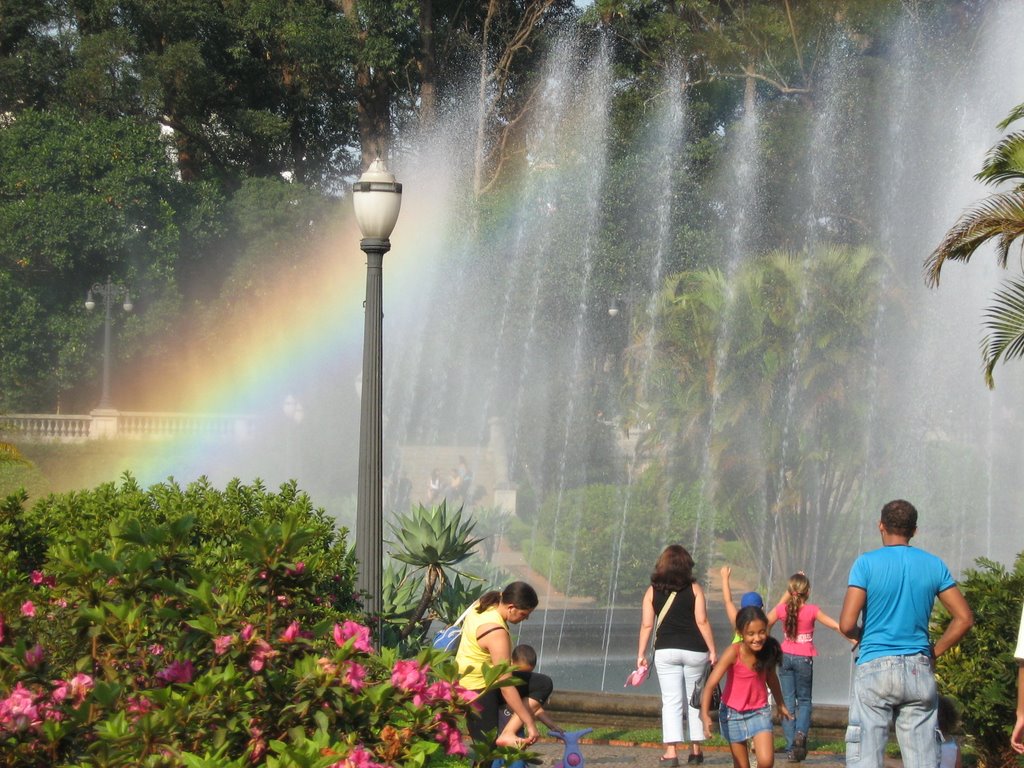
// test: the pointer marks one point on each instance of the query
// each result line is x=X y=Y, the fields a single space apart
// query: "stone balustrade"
x=131 y=425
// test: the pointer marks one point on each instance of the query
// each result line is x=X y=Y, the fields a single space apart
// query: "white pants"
x=678 y=673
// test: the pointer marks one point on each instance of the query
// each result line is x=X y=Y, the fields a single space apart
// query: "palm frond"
x=1004 y=320
x=1005 y=161
x=998 y=216
x=1015 y=114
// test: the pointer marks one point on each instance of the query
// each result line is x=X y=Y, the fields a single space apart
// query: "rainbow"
x=304 y=324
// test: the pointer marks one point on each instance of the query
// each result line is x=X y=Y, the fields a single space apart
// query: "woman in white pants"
x=674 y=609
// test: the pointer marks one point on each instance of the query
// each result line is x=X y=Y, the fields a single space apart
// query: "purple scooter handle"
x=573 y=757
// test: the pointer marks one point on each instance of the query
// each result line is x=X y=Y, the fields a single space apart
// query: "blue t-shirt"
x=901 y=584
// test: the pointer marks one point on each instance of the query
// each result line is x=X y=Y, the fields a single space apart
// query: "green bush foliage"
x=196 y=627
x=981 y=672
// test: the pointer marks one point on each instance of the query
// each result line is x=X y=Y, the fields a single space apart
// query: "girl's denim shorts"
x=740 y=726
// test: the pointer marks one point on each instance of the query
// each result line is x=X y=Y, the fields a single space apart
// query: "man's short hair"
x=900 y=518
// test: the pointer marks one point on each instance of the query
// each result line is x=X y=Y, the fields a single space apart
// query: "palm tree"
x=999 y=217
x=752 y=393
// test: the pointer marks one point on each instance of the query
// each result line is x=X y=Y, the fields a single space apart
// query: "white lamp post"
x=377 y=198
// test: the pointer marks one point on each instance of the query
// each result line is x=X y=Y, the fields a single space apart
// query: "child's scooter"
x=572 y=758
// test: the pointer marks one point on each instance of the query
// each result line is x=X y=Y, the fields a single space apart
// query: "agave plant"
x=434 y=540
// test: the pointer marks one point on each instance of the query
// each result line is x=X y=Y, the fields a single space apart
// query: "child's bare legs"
x=740 y=754
x=509 y=736
x=764 y=749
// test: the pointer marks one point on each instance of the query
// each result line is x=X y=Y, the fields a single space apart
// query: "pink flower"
x=34 y=656
x=257 y=744
x=77 y=688
x=260 y=655
x=80 y=685
x=449 y=735
x=408 y=675
x=247 y=632
x=28 y=608
x=156 y=649
x=292 y=632
x=442 y=690
x=18 y=711
x=358 y=757
x=3 y=629
x=140 y=706
x=355 y=675
x=464 y=694
x=222 y=643
x=39 y=579
x=177 y=672
x=352 y=629
x=298 y=570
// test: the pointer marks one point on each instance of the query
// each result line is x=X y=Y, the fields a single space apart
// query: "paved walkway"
x=613 y=754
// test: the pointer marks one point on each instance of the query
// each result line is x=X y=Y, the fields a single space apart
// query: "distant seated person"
x=535 y=689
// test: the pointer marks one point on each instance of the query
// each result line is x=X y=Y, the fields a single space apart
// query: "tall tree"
x=81 y=200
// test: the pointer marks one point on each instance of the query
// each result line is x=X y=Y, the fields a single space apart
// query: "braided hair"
x=799 y=589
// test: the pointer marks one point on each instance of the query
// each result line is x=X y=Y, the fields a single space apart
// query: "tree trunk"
x=749 y=95
x=427 y=66
x=483 y=108
x=373 y=101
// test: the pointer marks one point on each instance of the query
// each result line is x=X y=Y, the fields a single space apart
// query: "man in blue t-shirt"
x=894 y=588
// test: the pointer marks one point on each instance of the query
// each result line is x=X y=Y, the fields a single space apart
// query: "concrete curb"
x=634 y=710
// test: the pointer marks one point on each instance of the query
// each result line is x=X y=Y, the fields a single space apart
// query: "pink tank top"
x=745 y=689
x=803 y=643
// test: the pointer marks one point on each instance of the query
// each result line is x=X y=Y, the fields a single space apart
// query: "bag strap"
x=661 y=616
x=664 y=611
x=465 y=613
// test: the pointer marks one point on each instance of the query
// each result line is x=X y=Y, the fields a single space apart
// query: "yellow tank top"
x=470 y=656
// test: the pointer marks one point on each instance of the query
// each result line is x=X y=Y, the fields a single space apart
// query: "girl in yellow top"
x=486 y=640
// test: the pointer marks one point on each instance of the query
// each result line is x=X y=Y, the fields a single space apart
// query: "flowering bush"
x=157 y=644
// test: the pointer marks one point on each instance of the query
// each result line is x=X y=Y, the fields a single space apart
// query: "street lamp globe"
x=377 y=198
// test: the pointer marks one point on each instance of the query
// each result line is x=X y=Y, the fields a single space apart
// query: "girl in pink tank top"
x=745 y=713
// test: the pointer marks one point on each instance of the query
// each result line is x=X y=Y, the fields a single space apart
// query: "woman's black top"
x=679 y=627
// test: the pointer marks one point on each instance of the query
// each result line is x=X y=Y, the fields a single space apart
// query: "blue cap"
x=751 y=599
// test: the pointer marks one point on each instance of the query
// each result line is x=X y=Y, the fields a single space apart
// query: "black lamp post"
x=377 y=198
x=110 y=292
